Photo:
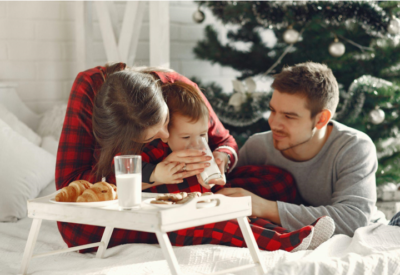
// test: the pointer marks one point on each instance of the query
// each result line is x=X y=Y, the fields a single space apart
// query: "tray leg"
x=251 y=243
x=30 y=244
x=105 y=240
x=168 y=252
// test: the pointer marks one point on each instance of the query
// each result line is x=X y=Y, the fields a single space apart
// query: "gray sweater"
x=339 y=181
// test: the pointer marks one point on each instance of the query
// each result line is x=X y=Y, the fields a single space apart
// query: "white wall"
x=37 y=48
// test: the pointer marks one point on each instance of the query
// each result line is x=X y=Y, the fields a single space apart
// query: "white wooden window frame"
x=121 y=44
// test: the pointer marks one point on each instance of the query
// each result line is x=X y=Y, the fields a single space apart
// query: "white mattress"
x=373 y=250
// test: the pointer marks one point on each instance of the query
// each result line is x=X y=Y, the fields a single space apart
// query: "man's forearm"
x=270 y=212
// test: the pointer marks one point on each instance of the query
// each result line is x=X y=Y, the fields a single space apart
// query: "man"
x=334 y=166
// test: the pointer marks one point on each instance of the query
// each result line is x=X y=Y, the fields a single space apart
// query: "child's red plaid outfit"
x=78 y=152
x=269 y=182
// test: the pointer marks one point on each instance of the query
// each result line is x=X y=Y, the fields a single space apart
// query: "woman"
x=116 y=110
x=99 y=126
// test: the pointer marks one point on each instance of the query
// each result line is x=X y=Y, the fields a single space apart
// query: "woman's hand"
x=166 y=172
x=196 y=161
x=179 y=165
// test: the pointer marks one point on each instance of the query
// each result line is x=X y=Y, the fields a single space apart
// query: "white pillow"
x=25 y=169
x=50 y=144
x=18 y=126
x=52 y=122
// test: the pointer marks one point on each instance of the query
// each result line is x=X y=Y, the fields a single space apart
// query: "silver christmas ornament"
x=198 y=16
x=394 y=26
x=291 y=36
x=377 y=116
x=337 y=48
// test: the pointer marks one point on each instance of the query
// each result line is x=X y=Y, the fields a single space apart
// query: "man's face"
x=290 y=122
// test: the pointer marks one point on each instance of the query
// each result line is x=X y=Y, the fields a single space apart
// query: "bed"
x=374 y=249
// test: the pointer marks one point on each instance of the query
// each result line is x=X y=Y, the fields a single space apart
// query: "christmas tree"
x=357 y=40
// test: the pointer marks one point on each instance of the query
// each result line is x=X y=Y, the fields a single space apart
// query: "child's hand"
x=221 y=159
x=166 y=172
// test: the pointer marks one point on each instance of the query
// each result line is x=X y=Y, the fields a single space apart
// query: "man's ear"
x=323 y=118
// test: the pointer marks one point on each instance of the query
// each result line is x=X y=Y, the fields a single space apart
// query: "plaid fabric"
x=266 y=181
x=77 y=146
x=223 y=233
x=228 y=233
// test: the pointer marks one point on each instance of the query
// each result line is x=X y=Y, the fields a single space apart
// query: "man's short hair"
x=314 y=81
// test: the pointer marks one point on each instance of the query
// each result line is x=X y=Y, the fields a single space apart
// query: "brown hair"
x=315 y=81
x=184 y=99
x=126 y=105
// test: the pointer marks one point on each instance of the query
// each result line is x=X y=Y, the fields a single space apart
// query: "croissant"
x=72 y=191
x=100 y=191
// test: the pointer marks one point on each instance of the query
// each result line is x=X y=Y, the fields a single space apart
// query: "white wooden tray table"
x=147 y=219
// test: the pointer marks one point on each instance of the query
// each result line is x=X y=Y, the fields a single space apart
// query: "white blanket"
x=373 y=250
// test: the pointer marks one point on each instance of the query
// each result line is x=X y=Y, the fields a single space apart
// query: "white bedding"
x=373 y=250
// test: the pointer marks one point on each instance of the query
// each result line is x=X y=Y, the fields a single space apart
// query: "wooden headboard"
x=11 y=100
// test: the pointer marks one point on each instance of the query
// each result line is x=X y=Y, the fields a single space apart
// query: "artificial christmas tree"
x=357 y=40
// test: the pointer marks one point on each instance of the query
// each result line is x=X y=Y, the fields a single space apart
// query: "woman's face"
x=185 y=134
x=159 y=130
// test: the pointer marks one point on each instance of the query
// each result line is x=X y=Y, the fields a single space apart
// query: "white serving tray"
x=148 y=219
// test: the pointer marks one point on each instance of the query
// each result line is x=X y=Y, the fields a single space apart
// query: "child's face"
x=184 y=134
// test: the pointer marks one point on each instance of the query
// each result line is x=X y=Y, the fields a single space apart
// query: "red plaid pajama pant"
x=268 y=182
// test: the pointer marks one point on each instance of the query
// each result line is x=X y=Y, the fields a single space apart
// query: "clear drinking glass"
x=128 y=174
x=211 y=172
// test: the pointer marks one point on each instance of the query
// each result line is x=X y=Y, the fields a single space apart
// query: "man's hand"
x=261 y=207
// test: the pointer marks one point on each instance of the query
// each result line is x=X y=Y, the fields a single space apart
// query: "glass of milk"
x=211 y=172
x=128 y=174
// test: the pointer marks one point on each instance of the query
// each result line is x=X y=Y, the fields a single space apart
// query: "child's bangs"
x=185 y=100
